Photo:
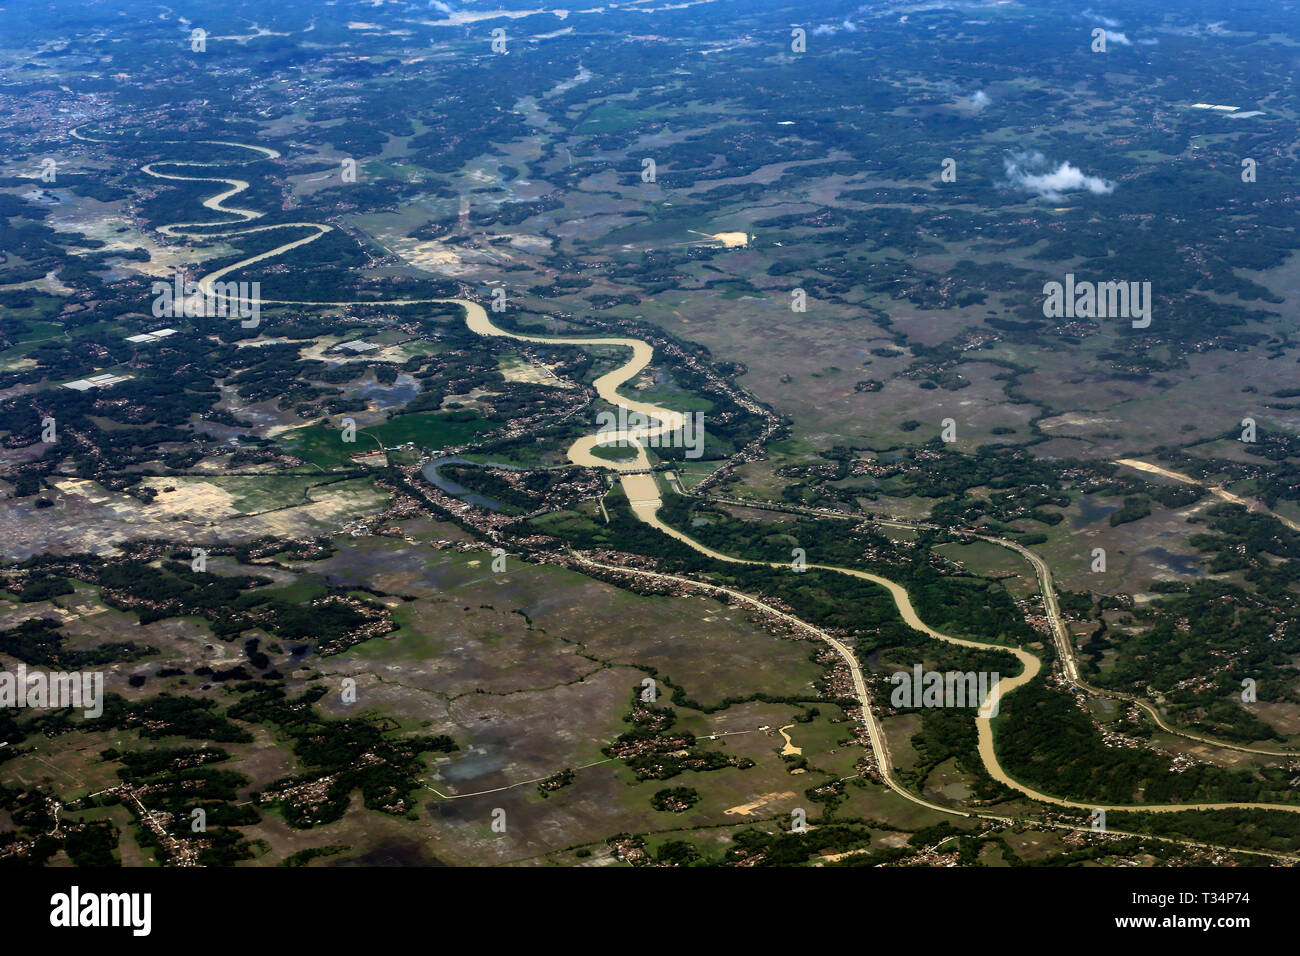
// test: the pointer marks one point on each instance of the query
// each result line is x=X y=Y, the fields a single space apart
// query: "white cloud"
x=979 y=100
x=440 y=6
x=1104 y=21
x=1114 y=36
x=1032 y=173
x=826 y=29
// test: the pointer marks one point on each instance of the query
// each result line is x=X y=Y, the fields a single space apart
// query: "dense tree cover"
x=164 y=405
x=304 y=857
x=347 y=755
x=676 y=853
x=182 y=780
x=675 y=799
x=332 y=619
x=952 y=603
x=40 y=643
x=945 y=734
x=537 y=486
x=1198 y=642
x=344 y=755
x=557 y=781
x=1251 y=829
x=1047 y=742
x=765 y=848
x=92 y=844
x=1279 y=480
x=653 y=751
x=1134 y=509
x=167 y=715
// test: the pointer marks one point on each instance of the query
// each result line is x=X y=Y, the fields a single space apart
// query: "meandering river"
x=641 y=488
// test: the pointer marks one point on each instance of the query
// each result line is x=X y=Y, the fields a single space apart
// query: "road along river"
x=643 y=492
x=1051 y=607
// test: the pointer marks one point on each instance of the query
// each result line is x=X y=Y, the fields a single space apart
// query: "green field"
x=614 y=117
x=615 y=451
x=322 y=445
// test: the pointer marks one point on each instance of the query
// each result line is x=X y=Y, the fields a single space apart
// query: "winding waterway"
x=641 y=488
